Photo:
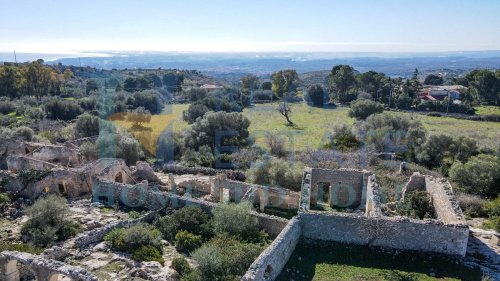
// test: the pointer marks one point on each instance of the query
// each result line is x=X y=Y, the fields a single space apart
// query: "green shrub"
x=362 y=108
x=417 y=205
x=480 y=175
x=132 y=238
x=86 y=126
x=276 y=172
x=89 y=151
x=129 y=150
x=195 y=111
x=191 y=219
x=225 y=258
x=147 y=253
x=187 y=242
x=4 y=199
x=48 y=221
x=492 y=223
x=203 y=157
x=23 y=133
x=20 y=247
x=492 y=207
x=276 y=144
x=134 y=214
x=472 y=205
x=316 y=94
x=343 y=139
x=234 y=219
x=62 y=109
x=181 y=265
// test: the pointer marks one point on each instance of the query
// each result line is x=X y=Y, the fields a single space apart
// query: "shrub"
x=86 y=126
x=343 y=139
x=20 y=247
x=147 y=253
x=89 y=151
x=48 y=221
x=34 y=113
x=316 y=94
x=234 y=219
x=7 y=106
x=417 y=205
x=480 y=175
x=276 y=172
x=129 y=150
x=493 y=223
x=62 y=109
x=23 y=133
x=472 y=205
x=264 y=95
x=203 y=157
x=147 y=99
x=493 y=207
x=225 y=258
x=181 y=265
x=134 y=214
x=276 y=144
x=187 y=242
x=134 y=237
x=205 y=131
x=191 y=219
x=443 y=150
x=245 y=157
x=194 y=111
x=361 y=108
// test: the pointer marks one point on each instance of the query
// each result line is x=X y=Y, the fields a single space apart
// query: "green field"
x=487 y=109
x=313 y=125
x=353 y=263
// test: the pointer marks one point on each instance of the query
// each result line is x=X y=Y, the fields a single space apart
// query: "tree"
x=266 y=86
x=485 y=85
x=361 y=108
x=284 y=81
x=218 y=129
x=374 y=83
x=433 y=79
x=87 y=126
x=173 y=81
x=285 y=109
x=91 y=86
x=38 y=79
x=10 y=81
x=340 y=80
x=316 y=94
x=249 y=82
x=480 y=175
x=194 y=111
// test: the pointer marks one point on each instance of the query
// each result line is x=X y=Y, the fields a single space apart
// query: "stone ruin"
x=366 y=224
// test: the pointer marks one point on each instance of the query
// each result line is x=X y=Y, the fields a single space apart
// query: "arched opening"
x=119 y=177
x=25 y=272
x=62 y=188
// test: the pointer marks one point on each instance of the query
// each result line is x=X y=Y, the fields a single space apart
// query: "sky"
x=50 y=26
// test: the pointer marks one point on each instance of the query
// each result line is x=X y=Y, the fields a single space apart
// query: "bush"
x=147 y=253
x=225 y=258
x=86 y=126
x=276 y=144
x=193 y=112
x=89 y=151
x=181 y=265
x=480 y=175
x=7 y=106
x=417 y=205
x=62 y=109
x=48 y=221
x=129 y=150
x=245 y=157
x=316 y=94
x=187 y=242
x=34 y=113
x=191 y=219
x=343 y=139
x=443 y=106
x=134 y=237
x=203 y=157
x=205 y=130
x=443 y=150
x=20 y=247
x=471 y=205
x=147 y=99
x=134 y=214
x=234 y=219
x=276 y=172
x=361 y=108
x=23 y=133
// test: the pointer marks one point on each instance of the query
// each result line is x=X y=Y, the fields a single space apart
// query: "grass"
x=312 y=124
x=148 y=133
x=487 y=109
x=348 y=262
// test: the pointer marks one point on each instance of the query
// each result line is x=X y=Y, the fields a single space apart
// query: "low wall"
x=395 y=232
x=271 y=224
x=270 y=262
x=180 y=170
x=445 y=203
x=95 y=236
x=372 y=208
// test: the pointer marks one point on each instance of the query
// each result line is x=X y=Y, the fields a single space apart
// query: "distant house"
x=438 y=93
x=210 y=87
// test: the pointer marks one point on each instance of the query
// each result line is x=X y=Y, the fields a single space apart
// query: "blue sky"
x=250 y=26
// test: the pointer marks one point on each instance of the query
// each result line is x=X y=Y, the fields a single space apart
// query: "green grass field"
x=354 y=263
x=313 y=125
x=485 y=110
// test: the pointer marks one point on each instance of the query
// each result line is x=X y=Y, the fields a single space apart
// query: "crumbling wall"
x=42 y=267
x=181 y=170
x=445 y=203
x=345 y=187
x=17 y=163
x=271 y=261
x=372 y=208
x=56 y=154
x=395 y=233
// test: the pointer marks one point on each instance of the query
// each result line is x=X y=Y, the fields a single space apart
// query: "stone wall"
x=43 y=268
x=272 y=260
x=345 y=187
x=395 y=232
x=181 y=170
x=445 y=203
x=372 y=208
